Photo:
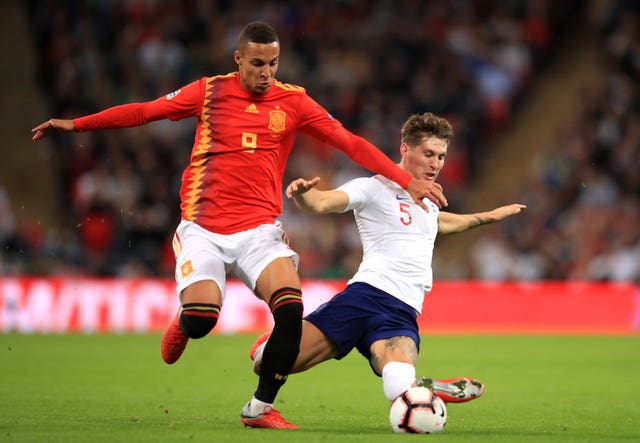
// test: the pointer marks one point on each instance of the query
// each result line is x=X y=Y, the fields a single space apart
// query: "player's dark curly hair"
x=419 y=127
x=257 y=32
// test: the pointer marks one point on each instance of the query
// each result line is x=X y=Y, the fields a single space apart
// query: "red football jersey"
x=234 y=179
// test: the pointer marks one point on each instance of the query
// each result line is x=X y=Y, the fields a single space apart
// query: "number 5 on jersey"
x=405 y=218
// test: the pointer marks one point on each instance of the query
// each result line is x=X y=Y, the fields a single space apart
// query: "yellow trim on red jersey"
x=198 y=154
x=288 y=86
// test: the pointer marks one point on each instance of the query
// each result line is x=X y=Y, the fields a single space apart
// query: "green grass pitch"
x=115 y=388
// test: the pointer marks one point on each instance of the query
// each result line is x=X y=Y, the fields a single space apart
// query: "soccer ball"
x=418 y=411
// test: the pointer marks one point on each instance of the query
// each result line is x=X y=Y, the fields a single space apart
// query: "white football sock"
x=397 y=377
x=257 y=407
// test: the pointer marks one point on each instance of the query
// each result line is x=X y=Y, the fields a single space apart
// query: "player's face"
x=257 y=64
x=425 y=160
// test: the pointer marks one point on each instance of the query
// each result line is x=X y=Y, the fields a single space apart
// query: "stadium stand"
x=370 y=64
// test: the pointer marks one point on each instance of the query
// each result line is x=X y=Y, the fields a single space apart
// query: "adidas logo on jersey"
x=252 y=109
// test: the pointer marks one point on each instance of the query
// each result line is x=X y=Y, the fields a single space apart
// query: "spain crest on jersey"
x=277 y=120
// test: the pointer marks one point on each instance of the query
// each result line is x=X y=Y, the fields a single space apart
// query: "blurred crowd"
x=583 y=216
x=371 y=64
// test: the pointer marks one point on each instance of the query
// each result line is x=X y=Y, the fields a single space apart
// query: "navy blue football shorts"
x=361 y=315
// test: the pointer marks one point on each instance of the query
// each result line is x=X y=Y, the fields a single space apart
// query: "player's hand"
x=419 y=189
x=53 y=125
x=506 y=211
x=300 y=186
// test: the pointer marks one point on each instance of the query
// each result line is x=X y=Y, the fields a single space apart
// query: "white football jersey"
x=397 y=238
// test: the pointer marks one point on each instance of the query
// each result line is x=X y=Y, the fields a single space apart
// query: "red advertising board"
x=87 y=305
x=551 y=307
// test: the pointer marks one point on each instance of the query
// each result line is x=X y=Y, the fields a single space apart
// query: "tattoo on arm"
x=479 y=220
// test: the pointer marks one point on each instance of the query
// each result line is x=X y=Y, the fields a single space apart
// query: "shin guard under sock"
x=397 y=377
x=284 y=343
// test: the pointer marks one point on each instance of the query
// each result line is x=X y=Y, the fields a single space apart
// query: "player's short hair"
x=257 y=32
x=419 y=127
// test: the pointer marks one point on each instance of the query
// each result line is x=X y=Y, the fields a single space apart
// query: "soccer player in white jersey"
x=376 y=313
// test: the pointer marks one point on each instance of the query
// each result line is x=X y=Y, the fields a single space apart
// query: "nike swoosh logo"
x=398 y=197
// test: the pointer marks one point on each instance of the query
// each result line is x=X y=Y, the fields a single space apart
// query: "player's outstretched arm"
x=173 y=107
x=55 y=124
x=449 y=223
x=370 y=157
x=313 y=201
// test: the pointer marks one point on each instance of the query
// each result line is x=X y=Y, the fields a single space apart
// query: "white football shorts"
x=203 y=255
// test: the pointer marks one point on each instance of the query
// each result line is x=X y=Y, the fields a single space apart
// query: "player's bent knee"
x=198 y=319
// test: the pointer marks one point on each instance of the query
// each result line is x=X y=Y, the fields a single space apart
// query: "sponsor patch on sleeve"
x=173 y=94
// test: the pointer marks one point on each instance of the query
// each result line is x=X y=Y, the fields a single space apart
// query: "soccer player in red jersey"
x=231 y=197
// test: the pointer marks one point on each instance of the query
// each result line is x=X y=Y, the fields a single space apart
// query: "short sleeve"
x=359 y=191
